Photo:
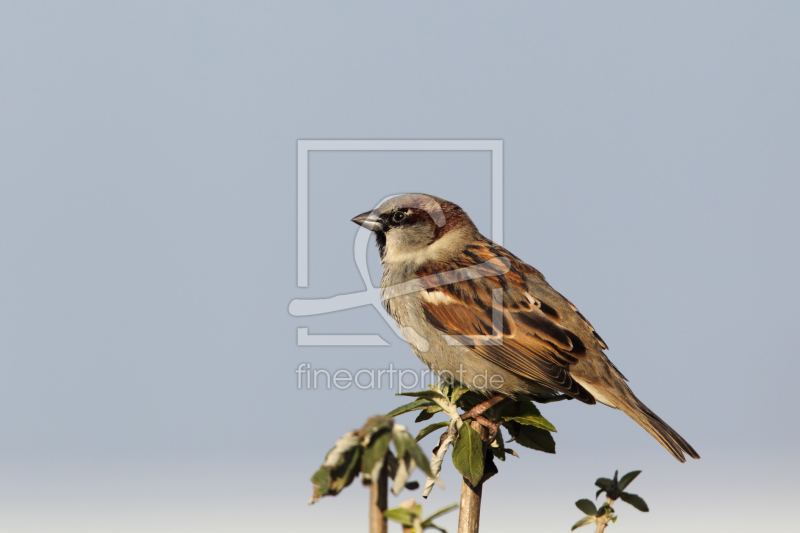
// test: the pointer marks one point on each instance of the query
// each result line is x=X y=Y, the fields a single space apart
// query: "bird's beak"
x=369 y=221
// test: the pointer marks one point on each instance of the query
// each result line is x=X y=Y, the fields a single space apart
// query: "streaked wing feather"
x=534 y=346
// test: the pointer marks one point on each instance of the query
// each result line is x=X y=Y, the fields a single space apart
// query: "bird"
x=475 y=313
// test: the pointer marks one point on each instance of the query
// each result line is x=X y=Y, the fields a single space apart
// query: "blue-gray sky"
x=147 y=238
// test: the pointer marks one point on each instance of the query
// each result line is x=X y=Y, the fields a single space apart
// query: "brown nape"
x=454 y=217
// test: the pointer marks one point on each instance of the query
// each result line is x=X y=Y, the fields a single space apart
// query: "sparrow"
x=475 y=313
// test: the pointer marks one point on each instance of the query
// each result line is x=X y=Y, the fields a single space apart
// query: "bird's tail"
x=660 y=430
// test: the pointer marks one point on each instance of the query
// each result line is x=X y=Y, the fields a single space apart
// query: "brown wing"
x=486 y=305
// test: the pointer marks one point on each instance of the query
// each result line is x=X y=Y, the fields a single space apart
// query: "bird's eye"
x=398 y=217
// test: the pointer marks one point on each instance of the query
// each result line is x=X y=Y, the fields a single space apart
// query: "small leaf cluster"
x=521 y=419
x=366 y=451
x=409 y=514
x=527 y=426
x=593 y=514
x=614 y=489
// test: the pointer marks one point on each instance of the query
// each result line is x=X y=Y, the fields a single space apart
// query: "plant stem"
x=377 y=502
x=469 y=512
x=602 y=522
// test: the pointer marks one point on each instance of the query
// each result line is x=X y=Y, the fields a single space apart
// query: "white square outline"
x=305 y=146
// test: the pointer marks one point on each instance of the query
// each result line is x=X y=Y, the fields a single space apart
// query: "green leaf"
x=413 y=406
x=634 y=500
x=427 y=430
x=468 y=454
x=423 y=463
x=439 y=513
x=343 y=475
x=583 y=521
x=374 y=454
x=527 y=414
x=458 y=392
x=400 y=514
x=603 y=483
x=587 y=507
x=424 y=394
x=376 y=424
x=408 y=446
x=534 y=438
x=322 y=481
x=400 y=442
x=627 y=478
x=423 y=416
